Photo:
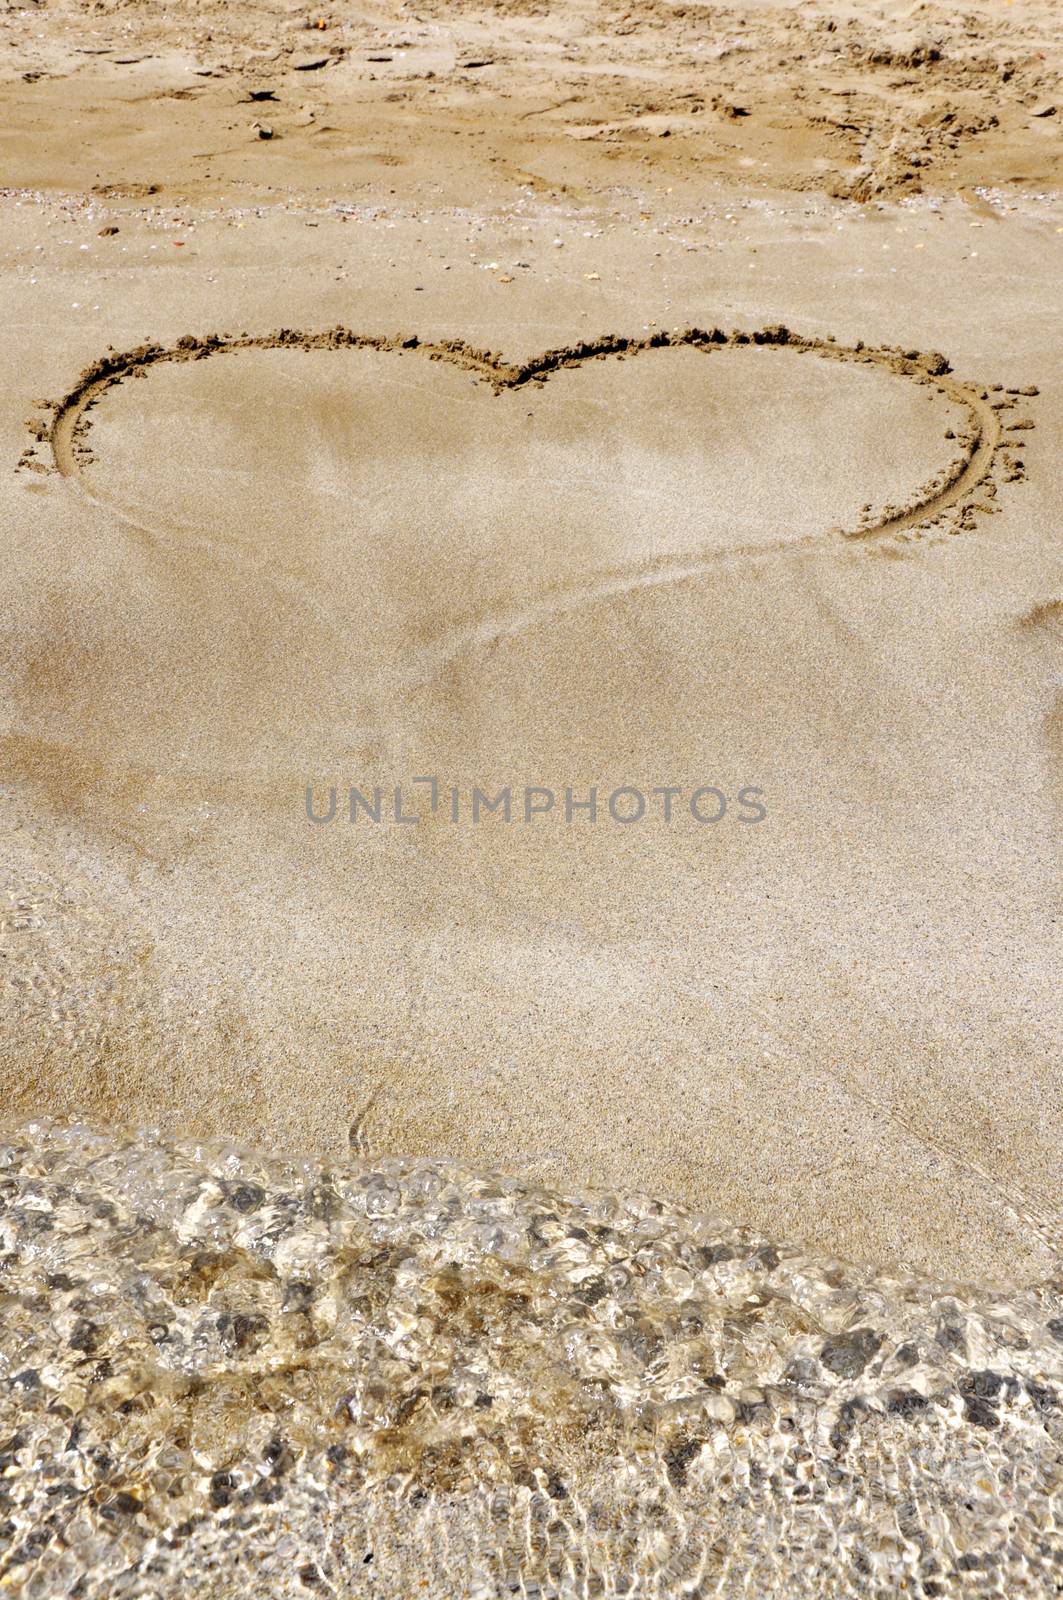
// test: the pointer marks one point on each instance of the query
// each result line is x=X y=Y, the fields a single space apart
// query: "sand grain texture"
x=532 y=398
x=247 y=558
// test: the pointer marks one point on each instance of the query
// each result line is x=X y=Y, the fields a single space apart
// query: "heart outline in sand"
x=949 y=498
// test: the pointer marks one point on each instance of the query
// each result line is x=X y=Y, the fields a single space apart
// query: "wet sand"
x=617 y=456
x=255 y=572
x=400 y=1377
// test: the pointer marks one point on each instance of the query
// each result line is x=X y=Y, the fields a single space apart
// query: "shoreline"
x=377 y=1357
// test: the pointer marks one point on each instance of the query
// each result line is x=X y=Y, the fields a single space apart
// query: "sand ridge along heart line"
x=962 y=488
x=952 y=488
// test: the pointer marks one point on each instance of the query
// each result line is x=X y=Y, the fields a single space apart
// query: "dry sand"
x=829 y=571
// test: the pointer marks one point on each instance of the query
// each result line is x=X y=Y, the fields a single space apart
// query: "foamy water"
x=230 y=1374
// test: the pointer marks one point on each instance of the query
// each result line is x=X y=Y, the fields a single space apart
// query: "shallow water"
x=230 y=1374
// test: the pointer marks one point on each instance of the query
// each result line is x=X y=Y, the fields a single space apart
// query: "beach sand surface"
x=827 y=570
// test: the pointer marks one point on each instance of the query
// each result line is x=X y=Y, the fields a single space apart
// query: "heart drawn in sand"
x=431 y=498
